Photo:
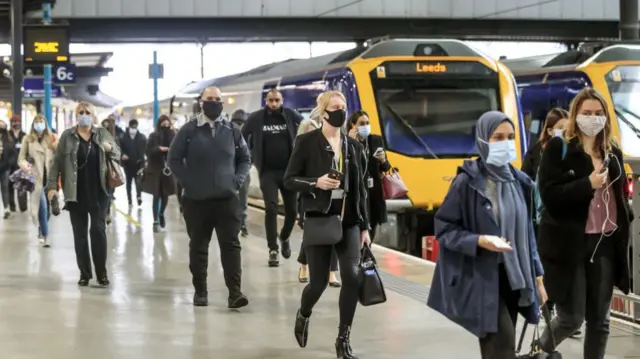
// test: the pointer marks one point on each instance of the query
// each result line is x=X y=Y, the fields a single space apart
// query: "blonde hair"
x=604 y=140
x=87 y=107
x=322 y=102
x=32 y=136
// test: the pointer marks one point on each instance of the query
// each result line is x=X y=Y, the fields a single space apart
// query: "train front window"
x=434 y=118
x=624 y=87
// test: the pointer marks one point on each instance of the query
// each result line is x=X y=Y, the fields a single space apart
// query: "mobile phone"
x=605 y=164
x=378 y=151
x=335 y=175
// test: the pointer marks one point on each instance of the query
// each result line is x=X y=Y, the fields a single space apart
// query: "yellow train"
x=423 y=97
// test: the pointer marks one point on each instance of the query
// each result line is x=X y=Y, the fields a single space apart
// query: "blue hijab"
x=512 y=207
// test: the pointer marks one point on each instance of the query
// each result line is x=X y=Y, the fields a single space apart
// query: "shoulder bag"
x=393 y=186
x=371 y=288
x=327 y=230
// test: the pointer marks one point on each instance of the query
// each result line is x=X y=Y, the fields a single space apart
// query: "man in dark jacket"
x=270 y=133
x=132 y=146
x=17 y=135
x=239 y=118
x=211 y=160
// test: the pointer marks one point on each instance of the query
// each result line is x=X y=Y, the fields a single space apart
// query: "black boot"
x=301 y=329
x=343 y=346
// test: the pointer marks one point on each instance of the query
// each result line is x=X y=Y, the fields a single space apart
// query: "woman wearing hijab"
x=488 y=268
x=158 y=178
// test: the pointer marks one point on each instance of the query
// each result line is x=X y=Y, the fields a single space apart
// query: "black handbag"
x=371 y=287
x=534 y=351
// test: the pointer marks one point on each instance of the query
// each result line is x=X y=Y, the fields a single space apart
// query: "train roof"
x=395 y=47
x=572 y=59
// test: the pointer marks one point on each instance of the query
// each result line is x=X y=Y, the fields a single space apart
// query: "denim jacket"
x=65 y=163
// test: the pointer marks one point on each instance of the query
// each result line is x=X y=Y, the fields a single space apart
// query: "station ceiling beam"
x=179 y=30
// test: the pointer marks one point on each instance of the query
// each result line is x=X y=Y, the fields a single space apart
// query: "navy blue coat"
x=465 y=286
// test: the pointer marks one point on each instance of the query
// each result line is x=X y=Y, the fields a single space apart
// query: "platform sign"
x=160 y=71
x=33 y=87
x=64 y=74
x=46 y=44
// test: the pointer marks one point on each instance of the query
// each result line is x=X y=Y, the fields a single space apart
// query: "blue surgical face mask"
x=85 y=120
x=501 y=152
x=364 y=131
x=558 y=132
x=133 y=131
x=39 y=127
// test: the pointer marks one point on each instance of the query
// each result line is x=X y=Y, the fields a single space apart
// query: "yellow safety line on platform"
x=126 y=216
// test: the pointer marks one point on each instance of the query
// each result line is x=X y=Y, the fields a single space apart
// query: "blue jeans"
x=43 y=218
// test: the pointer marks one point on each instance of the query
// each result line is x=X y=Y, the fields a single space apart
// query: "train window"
x=434 y=118
x=625 y=92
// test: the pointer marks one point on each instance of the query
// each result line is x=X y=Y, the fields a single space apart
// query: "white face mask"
x=558 y=132
x=591 y=125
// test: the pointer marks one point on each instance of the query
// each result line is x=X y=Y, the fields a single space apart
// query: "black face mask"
x=17 y=126
x=212 y=109
x=3 y=130
x=337 y=118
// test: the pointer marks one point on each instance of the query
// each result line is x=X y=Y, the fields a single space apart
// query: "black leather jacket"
x=311 y=159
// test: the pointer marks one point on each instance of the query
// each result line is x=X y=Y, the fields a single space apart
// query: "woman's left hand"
x=542 y=292
x=364 y=238
x=106 y=146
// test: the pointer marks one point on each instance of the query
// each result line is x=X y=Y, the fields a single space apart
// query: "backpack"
x=537 y=199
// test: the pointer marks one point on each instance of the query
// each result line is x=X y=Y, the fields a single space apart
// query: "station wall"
x=457 y=9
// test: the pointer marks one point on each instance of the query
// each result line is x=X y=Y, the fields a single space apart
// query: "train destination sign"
x=46 y=44
x=421 y=68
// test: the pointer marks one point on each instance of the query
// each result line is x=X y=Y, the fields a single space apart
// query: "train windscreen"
x=433 y=114
x=624 y=86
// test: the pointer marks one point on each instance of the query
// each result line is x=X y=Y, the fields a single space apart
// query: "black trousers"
x=201 y=218
x=502 y=345
x=92 y=219
x=319 y=257
x=131 y=178
x=302 y=258
x=270 y=183
x=159 y=203
x=589 y=300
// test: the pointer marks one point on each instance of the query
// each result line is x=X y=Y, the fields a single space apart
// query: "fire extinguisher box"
x=430 y=248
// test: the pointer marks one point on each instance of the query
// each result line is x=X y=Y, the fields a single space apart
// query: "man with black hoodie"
x=270 y=134
x=17 y=135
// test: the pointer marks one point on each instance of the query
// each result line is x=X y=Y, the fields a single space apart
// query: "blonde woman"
x=314 y=122
x=81 y=159
x=316 y=154
x=36 y=156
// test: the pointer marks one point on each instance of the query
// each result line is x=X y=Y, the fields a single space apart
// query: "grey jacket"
x=65 y=162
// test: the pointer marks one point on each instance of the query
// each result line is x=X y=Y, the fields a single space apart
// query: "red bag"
x=392 y=185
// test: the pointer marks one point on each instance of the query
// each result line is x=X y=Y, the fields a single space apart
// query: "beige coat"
x=41 y=155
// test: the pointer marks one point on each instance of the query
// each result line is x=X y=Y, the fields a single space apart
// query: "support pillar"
x=629 y=20
x=16 y=56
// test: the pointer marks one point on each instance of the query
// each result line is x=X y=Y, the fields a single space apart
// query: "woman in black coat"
x=375 y=164
x=553 y=127
x=158 y=179
x=584 y=232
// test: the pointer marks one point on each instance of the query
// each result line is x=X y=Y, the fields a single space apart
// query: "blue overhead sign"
x=33 y=87
x=64 y=74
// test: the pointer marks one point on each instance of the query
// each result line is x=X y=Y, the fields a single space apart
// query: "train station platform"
x=148 y=313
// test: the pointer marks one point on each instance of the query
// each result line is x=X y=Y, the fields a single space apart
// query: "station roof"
x=27 y=6
x=89 y=69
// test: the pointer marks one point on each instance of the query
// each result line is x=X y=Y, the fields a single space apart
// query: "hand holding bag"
x=114 y=174
x=392 y=185
x=371 y=288
x=535 y=352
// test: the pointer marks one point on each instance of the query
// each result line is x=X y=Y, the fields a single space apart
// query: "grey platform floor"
x=147 y=313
